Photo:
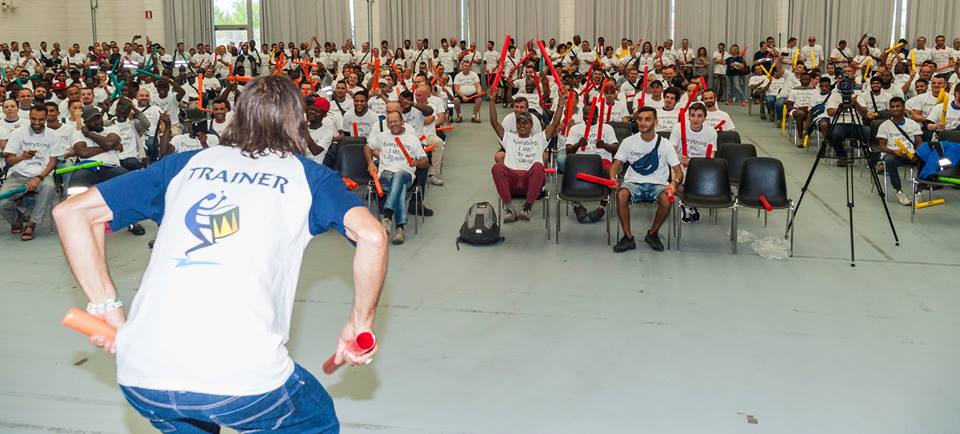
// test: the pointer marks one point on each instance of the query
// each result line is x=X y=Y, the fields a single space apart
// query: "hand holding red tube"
x=353 y=348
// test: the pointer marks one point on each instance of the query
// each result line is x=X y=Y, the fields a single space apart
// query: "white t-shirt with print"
x=634 y=148
x=391 y=157
x=953 y=115
x=609 y=136
x=697 y=141
x=523 y=152
x=109 y=158
x=46 y=144
x=889 y=132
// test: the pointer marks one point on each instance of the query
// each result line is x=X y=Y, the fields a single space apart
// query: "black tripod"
x=846 y=108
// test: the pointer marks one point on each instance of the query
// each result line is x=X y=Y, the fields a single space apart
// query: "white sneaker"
x=903 y=199
x=509 y=216
x=433 y=180
x=387 y=225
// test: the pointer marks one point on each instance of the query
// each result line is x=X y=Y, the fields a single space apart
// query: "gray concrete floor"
x=531 y=337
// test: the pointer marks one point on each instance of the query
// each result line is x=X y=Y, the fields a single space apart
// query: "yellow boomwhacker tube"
x=929 y=203
x=813 y=60
x=806 y=140
x=796 y=57
x=903 y=148
x=783 y=118
x=898 y=45
x=866 y=70
x=945 y=100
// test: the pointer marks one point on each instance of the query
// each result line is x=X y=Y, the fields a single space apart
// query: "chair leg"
x=733 y=229
x=679 y=227
x=546 y=215
x=789 y=217
x=556 y=235
x=607 y=212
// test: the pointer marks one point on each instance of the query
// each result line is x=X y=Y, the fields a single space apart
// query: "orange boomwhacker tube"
x=403 y=149
x=200 y=91
x=429 y=148
x=350 y=184
x=376 y=75
x=643 y=87
x=446 y=128
x=571 y=105
x=597 y=180
x=376 y=182
x=88 y=324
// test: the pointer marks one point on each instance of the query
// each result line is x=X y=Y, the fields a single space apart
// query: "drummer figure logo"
x=209 y=221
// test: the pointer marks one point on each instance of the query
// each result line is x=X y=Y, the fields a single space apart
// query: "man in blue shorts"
x=650 y=160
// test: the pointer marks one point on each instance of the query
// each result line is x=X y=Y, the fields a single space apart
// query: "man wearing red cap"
x=321 y=134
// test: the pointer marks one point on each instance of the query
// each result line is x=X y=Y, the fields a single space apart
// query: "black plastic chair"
x=724 y=137
x=735 y=154
x=874 y=129
x=621 y=129
x=352 y=163
x=706 y=185
x=950 y=136
x=765 y=177
x=575 y=190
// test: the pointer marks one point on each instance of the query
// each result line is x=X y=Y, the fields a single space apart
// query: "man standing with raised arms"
x=205 y=343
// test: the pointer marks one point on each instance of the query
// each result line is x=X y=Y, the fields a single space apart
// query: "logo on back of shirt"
x=209 y=220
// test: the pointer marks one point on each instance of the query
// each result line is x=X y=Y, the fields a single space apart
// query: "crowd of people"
x=127 y=105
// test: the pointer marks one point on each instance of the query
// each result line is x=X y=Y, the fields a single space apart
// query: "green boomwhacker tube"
x=89 y=165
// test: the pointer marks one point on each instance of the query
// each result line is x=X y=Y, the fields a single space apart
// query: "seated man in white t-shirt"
x=668 y=115
x=519 y=164
x=196 y=137
x=698 y=141
x=397 y=169
x=221 y=116
x=466 y=88
x=521 y=105
x=603 y=143
x=321 y=133
x=653 y=173
x=899 y=138
x=872 y=100
x=31 y=156
x=950 y=108
x=717 y=119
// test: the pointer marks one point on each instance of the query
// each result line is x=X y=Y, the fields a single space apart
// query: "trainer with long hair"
x=205 y=342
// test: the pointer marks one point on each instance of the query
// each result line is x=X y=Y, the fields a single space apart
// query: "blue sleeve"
x=331 y=199
x=139 y=195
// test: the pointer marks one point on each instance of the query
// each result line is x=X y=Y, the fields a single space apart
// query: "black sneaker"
x=580 y=212
x=136 y=229
x=653 y=240
x=422 y=210
x=685 y=214
x=624 y=244
x=596 y=215
x=694 y=214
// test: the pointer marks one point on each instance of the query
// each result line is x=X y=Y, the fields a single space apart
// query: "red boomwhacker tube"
x=546 y=59
x=670 y=195
x=719 y=127
x=376 y=182
x=766 y=204
x=550 y=170
x=362 y=344
x=356 y=132
x=703 y=83
x=709 y=150
x=376 y=75
x=643 y=87
x=683 y=131
x=571 y=105
x=446 y=128
x=403 y=149
x=693 y=97
x=503 y=58
x=597 y=180
x=429 y=148
x=88 y=324
x=586 y=131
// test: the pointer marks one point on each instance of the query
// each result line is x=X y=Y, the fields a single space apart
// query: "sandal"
x=17 y=227
x=27 y=233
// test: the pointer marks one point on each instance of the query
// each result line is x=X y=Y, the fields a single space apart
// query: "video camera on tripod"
x=845 y=86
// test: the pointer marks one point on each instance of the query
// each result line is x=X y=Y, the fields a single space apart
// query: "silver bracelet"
x=102 y=308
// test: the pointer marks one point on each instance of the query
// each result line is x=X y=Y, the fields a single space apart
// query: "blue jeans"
x=775 y=106
x=301 y=405
x=395 y=187
x=736 y=87
x=643 y=192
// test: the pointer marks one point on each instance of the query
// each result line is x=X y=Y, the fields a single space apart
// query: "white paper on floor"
x=744 y=236
x=772 y=247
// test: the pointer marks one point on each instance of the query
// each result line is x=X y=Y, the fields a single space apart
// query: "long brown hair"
x=268 y=118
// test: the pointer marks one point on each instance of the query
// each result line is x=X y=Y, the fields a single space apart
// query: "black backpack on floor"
x=480 y=226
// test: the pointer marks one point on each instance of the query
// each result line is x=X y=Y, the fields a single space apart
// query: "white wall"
x=36 y=20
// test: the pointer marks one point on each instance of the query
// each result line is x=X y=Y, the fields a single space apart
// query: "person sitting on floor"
x=652 y=168
x=896 y=131
x=396 y=172
x=519 y=164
